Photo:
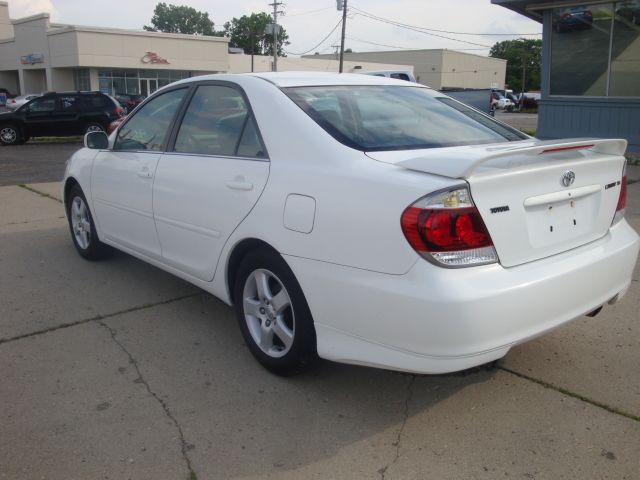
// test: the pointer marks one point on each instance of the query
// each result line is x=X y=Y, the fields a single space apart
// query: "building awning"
x=523 y=7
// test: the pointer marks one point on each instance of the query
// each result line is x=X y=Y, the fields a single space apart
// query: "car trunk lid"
x=537 y=198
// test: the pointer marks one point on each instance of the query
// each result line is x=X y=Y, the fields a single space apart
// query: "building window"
x=129 y=81
x=595 y=49
x=81 y=80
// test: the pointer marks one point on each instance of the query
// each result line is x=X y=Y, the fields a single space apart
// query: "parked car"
x=129 y=101
x=572 y=18
x=499 y=101
x=629 y=10
x=59 y=114
x=17 y=102
x=376 y=222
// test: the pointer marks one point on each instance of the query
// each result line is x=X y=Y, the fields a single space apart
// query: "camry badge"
x=568 y=178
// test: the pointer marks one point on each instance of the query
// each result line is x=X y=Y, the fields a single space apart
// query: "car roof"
x=304 y=79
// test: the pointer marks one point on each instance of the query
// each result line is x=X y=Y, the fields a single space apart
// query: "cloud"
x=24 y=8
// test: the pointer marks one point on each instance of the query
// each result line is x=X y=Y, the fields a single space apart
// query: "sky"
x=308 y=22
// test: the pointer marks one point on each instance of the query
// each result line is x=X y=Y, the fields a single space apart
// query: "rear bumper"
x=436 y=320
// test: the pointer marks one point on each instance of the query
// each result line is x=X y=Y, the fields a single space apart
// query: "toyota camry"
x=358 y=219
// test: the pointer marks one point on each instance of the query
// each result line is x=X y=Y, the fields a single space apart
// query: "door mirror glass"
x=96 y=140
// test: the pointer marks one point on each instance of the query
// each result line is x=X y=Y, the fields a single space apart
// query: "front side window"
x=42 y=105
x=374 y=118
x=149 y=127
x=218 y=122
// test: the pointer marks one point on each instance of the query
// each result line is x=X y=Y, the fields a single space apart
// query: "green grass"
x=528 y=132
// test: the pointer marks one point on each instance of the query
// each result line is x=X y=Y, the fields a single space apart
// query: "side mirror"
x=96 y=141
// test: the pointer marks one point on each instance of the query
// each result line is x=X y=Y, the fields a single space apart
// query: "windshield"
x=389 y=117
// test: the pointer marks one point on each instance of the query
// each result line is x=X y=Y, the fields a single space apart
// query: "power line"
x=439 y=31
x=399 y=25
x=321 y=41
x=405 y=48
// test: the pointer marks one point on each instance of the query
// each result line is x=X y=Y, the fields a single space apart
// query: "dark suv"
x=59 y=114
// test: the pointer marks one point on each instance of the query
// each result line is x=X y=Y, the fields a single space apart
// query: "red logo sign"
x=152 y=57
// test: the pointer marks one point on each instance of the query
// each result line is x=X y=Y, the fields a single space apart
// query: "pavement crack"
x=396 y=443
x=184 y=446
x=97 y=318
x=38 y=192
x=571 y=394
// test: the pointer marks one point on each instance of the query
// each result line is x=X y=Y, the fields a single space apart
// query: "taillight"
x=588 y=13
x=447 y=227
x=118 y=111
x=622 y=199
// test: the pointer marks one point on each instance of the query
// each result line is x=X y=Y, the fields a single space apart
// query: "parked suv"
x=59 y=114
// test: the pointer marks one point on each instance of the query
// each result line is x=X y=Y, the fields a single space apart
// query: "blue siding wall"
x=590 y=117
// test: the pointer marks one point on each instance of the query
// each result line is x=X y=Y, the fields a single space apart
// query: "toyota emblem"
x=568 y=178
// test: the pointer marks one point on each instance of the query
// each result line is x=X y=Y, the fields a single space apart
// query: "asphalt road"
x=35 y=161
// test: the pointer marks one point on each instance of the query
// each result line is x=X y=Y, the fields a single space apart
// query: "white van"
x=398 y=74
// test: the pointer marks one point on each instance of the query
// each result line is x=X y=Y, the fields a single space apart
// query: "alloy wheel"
x=8 y=135
x=80 y=223
x=268 y=313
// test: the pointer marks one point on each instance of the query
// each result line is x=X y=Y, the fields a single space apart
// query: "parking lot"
x=118 y=370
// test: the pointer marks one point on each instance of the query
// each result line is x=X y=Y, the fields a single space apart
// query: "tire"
x=82 y=227
x=273 y=314
x=10 y=135
x=93 y=127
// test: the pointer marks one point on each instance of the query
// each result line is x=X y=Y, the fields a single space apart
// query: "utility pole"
x=275 y=27
x=524 y=77
x=343 y=4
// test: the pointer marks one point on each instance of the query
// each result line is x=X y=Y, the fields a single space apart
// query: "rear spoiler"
x=461 y=162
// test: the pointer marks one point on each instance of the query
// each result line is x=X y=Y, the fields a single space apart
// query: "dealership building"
x=37 y=55
x=590 y=67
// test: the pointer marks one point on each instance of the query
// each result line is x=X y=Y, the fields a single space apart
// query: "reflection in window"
x=580 y=49
x=147 y=129
x=43 y=105
x=213 y=123
x=584 y=38
x=625 y=50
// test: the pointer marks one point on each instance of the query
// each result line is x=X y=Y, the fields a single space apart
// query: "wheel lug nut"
x=262 y=310
x=268 y=323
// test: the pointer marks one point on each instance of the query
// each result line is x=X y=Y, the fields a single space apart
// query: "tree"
x=250 y=29
x=181 y=19
x=518 y=53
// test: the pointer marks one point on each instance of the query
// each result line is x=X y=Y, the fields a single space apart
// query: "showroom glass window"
x=148 y=128
x=595 y=49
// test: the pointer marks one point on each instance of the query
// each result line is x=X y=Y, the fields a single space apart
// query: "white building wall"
x=434 y=67
x=242 y=64
x=463 y=70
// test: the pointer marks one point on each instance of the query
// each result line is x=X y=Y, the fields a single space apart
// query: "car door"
x=122 y=178
x=210 y=181
x=37 y=116
x=65 y=117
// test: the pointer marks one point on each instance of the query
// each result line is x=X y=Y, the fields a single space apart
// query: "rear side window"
x=386 y=117
x=218 y=122
x=68 y=103
x=148 y=128
x=96 y=102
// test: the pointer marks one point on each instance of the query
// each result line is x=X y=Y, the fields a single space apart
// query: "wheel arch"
x=68 y=185
x=240 y=250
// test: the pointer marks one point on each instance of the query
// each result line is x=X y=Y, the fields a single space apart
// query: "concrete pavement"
x=117 y=370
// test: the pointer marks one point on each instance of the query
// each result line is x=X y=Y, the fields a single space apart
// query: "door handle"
x=236 y=185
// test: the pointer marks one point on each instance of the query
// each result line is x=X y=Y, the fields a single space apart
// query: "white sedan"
x=358 y=219
x=17 y=102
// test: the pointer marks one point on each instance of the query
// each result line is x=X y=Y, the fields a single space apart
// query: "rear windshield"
x=389 y=117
